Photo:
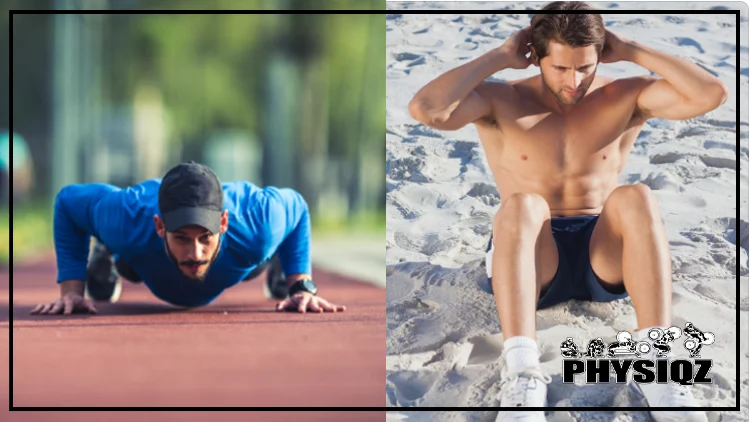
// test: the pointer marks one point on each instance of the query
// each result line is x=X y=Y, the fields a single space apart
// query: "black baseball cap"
x=191 y=194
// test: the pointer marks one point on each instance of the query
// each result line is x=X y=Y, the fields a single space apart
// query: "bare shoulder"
x=624 y=86
x=505 y=93
x=628 y=90
x=498 y=95
x=494 y=91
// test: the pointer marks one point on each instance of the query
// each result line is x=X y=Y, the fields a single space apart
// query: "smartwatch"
x=304 y=285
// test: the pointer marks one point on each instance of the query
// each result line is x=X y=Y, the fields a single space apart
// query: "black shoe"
x=102 y=282
x=275 y=287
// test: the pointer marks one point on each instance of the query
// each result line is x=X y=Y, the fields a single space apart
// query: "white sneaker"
x=527 y=388
x=669 y=395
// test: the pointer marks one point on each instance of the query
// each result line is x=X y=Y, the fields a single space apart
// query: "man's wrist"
x=302 y=286
x=77 y=287
x=498 y=58
x=632 y=52
x=292 y=279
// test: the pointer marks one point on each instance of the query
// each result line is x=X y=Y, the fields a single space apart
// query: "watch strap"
x=299 y=286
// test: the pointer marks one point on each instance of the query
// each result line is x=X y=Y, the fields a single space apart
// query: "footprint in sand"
x=424 y=42
x=402 y=131
x=719 y=162
x=436 y=243
x=690 y=173
x=486 y=349
x=422 y=130
x=637 y=22
x=411 y=308
x=404 y=241
x=718 y=145
x=466 y=46
x=641 y=146
x=419 y=151
x=412 y=385
x=674 y=19
x=728 y=227
x=486 y=193
x=401 y=57
x=691 y=131
x=405 y=212
x=722 y=382
x=723 y=124
x=406 y=168
x=661 y=180
x=479 y=32
x=687 y=42
x=667 y=157
x=465 y=151
x=721 y=236
x=697 y=201
x=412 y=58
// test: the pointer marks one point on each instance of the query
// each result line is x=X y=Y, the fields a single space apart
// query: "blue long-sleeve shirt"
x=262 y=221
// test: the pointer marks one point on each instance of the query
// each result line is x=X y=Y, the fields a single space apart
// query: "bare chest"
x=596 y=136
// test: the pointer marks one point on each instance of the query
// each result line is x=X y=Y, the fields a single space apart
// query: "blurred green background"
x=288 y=100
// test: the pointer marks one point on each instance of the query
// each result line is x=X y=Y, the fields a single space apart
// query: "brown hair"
x=573 y=29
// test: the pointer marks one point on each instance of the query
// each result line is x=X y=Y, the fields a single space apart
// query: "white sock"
x=520 y=353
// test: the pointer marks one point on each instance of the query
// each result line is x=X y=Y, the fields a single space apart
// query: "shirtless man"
x=555 y=143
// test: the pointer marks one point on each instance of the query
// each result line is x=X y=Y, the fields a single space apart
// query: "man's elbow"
x=417 y=110
x=420 y=111
x=719 y=94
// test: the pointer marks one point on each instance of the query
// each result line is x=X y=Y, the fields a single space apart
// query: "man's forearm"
x=439 y=98
x=689 y=79
x=72 y=286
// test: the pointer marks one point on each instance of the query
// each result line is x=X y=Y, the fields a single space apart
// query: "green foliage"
x=212 y=68
x=32 y=231
x=363 y=223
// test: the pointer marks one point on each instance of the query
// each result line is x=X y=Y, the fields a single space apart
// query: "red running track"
x=235 y=352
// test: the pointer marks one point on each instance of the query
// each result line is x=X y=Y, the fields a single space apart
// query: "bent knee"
x=521 y=208
x=634 y=202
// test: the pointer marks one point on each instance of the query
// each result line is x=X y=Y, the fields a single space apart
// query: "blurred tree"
x=210 y=72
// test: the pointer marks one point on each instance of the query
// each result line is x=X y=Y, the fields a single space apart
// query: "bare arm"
x=454 y=99
x=72 y=286
x=686 y=90
x=451 y=101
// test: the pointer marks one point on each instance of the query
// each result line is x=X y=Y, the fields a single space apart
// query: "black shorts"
x=575 y=279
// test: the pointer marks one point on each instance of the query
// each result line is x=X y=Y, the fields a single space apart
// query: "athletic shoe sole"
x=102 y=282
x=99 y=296
x=274 y=286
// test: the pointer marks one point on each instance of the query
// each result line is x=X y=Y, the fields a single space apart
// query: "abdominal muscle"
x=566 y=196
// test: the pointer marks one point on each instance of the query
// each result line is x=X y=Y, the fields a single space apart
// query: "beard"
x=561 y=96
x=197 y=278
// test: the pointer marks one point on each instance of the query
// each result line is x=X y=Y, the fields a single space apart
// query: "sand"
x=444 y=341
